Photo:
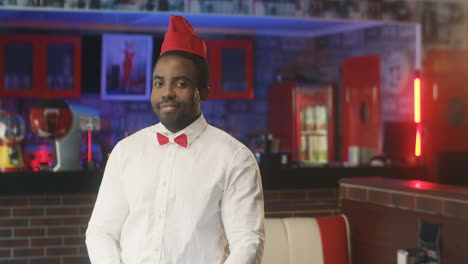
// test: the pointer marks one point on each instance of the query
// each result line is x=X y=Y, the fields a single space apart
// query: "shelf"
x=314 y=133
x=158 y=21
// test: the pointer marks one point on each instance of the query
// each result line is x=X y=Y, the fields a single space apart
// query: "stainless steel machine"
x=65 y=124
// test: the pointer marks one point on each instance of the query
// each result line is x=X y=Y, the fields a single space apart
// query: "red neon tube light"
x=417 y=100
x=417 y=145
x=417 y=116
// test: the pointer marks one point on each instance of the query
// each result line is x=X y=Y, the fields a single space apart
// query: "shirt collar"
x=192 y=131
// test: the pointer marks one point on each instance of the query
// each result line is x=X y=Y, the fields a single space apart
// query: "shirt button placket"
x=161 y=203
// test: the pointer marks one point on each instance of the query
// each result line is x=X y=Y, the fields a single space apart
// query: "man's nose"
x=169 y=92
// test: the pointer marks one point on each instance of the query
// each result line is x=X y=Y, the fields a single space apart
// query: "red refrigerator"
x=361 y=115
x=302 y=117
x=444 y=116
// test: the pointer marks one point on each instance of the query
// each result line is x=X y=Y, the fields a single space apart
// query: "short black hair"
x=201 y=66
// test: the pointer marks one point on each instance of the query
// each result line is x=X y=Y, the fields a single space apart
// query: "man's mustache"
x=164 y=103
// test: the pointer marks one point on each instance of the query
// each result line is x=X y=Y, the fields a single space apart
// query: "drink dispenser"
x=64 y=123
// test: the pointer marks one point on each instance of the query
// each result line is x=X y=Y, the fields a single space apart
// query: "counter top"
x=314 y=177
x=14 y=183
x=410 y=186
x=273 y=178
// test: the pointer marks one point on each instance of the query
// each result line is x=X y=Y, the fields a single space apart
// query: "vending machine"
x=301 y=117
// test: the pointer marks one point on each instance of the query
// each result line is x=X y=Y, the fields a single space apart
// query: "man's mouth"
x=167 y=107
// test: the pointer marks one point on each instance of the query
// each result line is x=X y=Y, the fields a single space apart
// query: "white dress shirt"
x=166 y=204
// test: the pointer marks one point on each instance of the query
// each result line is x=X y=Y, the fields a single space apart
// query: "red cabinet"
x=40 y=66
x=231 y=69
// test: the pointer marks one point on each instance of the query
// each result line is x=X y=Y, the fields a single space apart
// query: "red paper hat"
x=181 y=36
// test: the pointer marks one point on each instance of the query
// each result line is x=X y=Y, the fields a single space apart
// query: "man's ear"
x=204 y=94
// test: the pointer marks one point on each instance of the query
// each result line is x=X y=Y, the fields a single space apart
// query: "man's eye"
x=181 y=84
x=157 y=84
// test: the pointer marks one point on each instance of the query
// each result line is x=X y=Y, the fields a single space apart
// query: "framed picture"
x=126 y=67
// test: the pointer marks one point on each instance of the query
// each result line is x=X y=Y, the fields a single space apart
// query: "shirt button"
x=163 y=183
x=156 y=249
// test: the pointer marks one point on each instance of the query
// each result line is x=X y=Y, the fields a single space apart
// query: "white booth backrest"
x=303 y=240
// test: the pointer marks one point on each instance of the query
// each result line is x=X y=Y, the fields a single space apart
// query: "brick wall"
x=45 y=229
x=50 y=229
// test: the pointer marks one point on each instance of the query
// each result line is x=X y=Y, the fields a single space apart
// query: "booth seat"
x=303 y=240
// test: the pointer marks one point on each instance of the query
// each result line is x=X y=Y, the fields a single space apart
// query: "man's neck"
x=177 y=129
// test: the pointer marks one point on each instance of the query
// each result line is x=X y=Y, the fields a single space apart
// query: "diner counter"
x=273 y=178
x=385 y=215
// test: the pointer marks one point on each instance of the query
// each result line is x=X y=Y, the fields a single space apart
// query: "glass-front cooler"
x=301 y=116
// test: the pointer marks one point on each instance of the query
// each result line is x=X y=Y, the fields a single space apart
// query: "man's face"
x=174 y=96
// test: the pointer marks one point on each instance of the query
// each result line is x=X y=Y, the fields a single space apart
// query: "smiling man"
x=181 y=191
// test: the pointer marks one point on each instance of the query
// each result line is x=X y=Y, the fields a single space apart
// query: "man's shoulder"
x=219 y=138
x=224 y=147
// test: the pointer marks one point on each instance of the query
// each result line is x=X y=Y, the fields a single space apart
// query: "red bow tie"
x=180 y=139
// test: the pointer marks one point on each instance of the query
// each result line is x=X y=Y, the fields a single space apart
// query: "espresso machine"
x=12 y=131
x=65 y=124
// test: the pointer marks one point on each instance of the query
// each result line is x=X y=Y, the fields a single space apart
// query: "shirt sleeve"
x=242 y=210
x=109 y=214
